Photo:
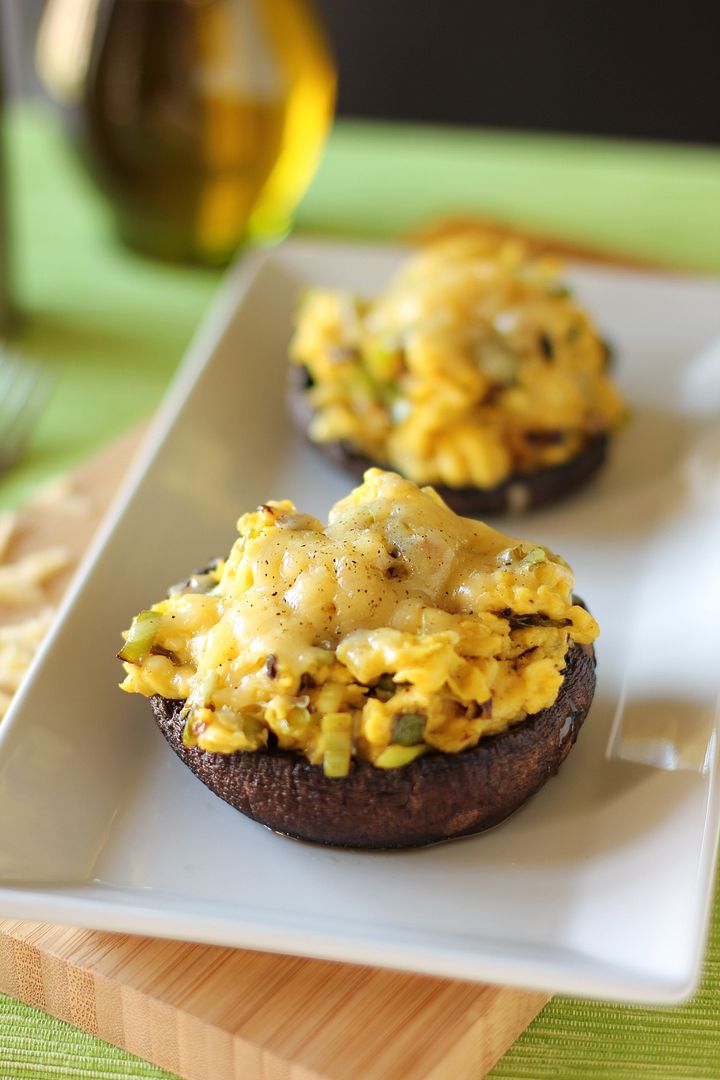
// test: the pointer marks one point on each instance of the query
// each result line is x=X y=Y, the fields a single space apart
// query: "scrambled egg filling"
x=397 y=628
x=475 y=364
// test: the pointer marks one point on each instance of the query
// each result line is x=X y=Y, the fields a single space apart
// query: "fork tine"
x=13 y=377
x=15 y=392
x=24 y=391
x=10 y=370
x=30 y=399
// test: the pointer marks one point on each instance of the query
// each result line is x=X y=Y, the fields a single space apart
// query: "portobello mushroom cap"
x=436 y=797
x=520 y=492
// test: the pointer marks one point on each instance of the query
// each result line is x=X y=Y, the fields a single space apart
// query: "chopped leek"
x=385 y=688
x=408 y=729
x=383 y=359
x=394 y=756
x=140 y=637
x=329 y=698
x=337 y=744
x=537 y=555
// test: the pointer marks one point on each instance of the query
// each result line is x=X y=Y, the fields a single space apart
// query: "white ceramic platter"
x=600 y=886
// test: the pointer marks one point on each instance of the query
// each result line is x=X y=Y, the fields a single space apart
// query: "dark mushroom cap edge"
x=437 y=797
x=520 y=492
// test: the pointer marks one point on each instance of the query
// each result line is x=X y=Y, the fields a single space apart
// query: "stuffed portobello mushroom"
x=476 y=371
x=397 y=677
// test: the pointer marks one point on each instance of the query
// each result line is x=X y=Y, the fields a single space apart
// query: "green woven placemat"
x=34 y=1046
x=114 y=326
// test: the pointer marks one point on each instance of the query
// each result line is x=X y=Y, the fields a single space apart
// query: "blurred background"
x=634 y=68
x=148 y=142
x=621 y=67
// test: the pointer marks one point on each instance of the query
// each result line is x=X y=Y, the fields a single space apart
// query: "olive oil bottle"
x=201 y=120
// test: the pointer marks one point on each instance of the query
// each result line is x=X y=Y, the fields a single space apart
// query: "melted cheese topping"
x=474 y=365
x=397 y=628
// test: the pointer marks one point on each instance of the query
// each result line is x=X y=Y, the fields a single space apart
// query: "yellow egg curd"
x=397 y=628
x=474 y=365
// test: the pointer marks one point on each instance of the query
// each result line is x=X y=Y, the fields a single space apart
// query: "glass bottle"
x=201 y=120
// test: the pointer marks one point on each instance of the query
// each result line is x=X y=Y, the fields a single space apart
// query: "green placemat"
x=114 y=326
x=644 y=199
x=34 y=1046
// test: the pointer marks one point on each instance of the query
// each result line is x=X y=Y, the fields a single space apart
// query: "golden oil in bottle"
x=202 y=120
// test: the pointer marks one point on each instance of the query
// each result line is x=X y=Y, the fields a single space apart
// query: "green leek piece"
x=362 y=382
x=336 y=722
x=188 y=737
x=141 y=637
x=207 y=687
x=330 y=696
x=336 y=764
x=408 y=729
x=522 y=557
x=250 y=725
x=394 y=756
x=385 y=688
x=382 y=359
x=337 y=744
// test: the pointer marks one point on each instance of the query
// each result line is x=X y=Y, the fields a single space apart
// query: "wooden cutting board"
x=210 y=1013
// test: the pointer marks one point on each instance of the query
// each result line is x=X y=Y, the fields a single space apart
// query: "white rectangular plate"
x=600 y=886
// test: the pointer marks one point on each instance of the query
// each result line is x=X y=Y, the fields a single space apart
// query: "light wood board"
x=210 y=1013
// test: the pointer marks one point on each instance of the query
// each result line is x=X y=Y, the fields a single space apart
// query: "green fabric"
x=113 y=327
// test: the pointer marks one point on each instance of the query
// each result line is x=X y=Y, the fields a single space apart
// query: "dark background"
x=639 y=68
x=634 y=68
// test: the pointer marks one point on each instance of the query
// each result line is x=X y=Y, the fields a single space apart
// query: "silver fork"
x=24 y=389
